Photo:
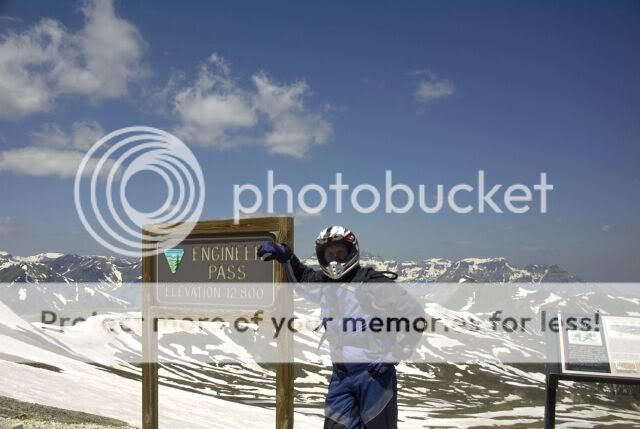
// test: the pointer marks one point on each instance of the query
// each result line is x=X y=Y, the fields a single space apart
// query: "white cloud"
x=293 y=129
x=432 y=88
x=43 y=161
x=82 y=136
x=216 y=111
x=275 y=100
x=300 y=216
x=213 y=106
x=85 y=134
x=606 y=228
x=9 y=19
x=51 y=135
x=47 y=61
x=294 y=134
x=55 y=152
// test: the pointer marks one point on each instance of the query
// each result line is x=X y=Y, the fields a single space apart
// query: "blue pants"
x=358 y=400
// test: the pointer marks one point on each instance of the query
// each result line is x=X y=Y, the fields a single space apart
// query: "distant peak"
x=51 y=255
x=438 y=260
x=483 y=260
x=40 y=257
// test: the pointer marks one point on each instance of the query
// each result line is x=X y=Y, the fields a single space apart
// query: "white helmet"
x=337 y=235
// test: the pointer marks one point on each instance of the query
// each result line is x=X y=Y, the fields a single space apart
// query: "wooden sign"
x=216 y=269
x=220 y=271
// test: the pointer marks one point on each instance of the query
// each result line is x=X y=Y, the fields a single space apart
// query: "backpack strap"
x=365 y=274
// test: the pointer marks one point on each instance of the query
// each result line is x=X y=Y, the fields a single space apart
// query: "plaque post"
x=550 y=404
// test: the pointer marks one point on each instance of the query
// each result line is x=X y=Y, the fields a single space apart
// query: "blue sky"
x=433 y=91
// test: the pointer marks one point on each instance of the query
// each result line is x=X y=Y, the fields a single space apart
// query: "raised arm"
x=270 y=251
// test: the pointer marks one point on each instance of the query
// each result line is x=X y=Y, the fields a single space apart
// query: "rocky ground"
x=24 y=415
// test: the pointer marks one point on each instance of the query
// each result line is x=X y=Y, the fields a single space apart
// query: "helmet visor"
x=337 y=251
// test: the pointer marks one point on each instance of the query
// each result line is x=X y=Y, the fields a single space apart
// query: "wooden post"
x=285 y=369
x=149 y=349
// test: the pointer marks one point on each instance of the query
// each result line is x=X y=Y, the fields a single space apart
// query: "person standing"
x=363 y=389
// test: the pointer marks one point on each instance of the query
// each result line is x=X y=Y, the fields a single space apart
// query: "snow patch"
x=60 y=297
x=52 y=255
x=522 y=292
x=39 y=257
x=482 y=260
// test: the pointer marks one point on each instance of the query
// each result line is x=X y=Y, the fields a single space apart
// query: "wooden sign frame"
x=282 y=229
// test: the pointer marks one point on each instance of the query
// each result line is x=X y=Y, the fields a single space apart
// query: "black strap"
x=364 y=274
x=367 y=273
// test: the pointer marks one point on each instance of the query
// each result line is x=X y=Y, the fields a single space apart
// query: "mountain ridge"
x=113 y=270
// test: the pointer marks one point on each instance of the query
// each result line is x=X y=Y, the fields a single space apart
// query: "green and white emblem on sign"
x=174 y=257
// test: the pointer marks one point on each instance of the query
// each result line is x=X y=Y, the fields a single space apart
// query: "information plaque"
x=600 y=346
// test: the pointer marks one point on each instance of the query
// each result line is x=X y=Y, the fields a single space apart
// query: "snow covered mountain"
x=112 y=272
x=71 y=281
x=91 y=367
x=109 y=282
x=213 y=378
x=482 y=270
x=53 y=267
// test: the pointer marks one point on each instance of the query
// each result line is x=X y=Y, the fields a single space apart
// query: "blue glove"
x=377 y=368
x=269 y=251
